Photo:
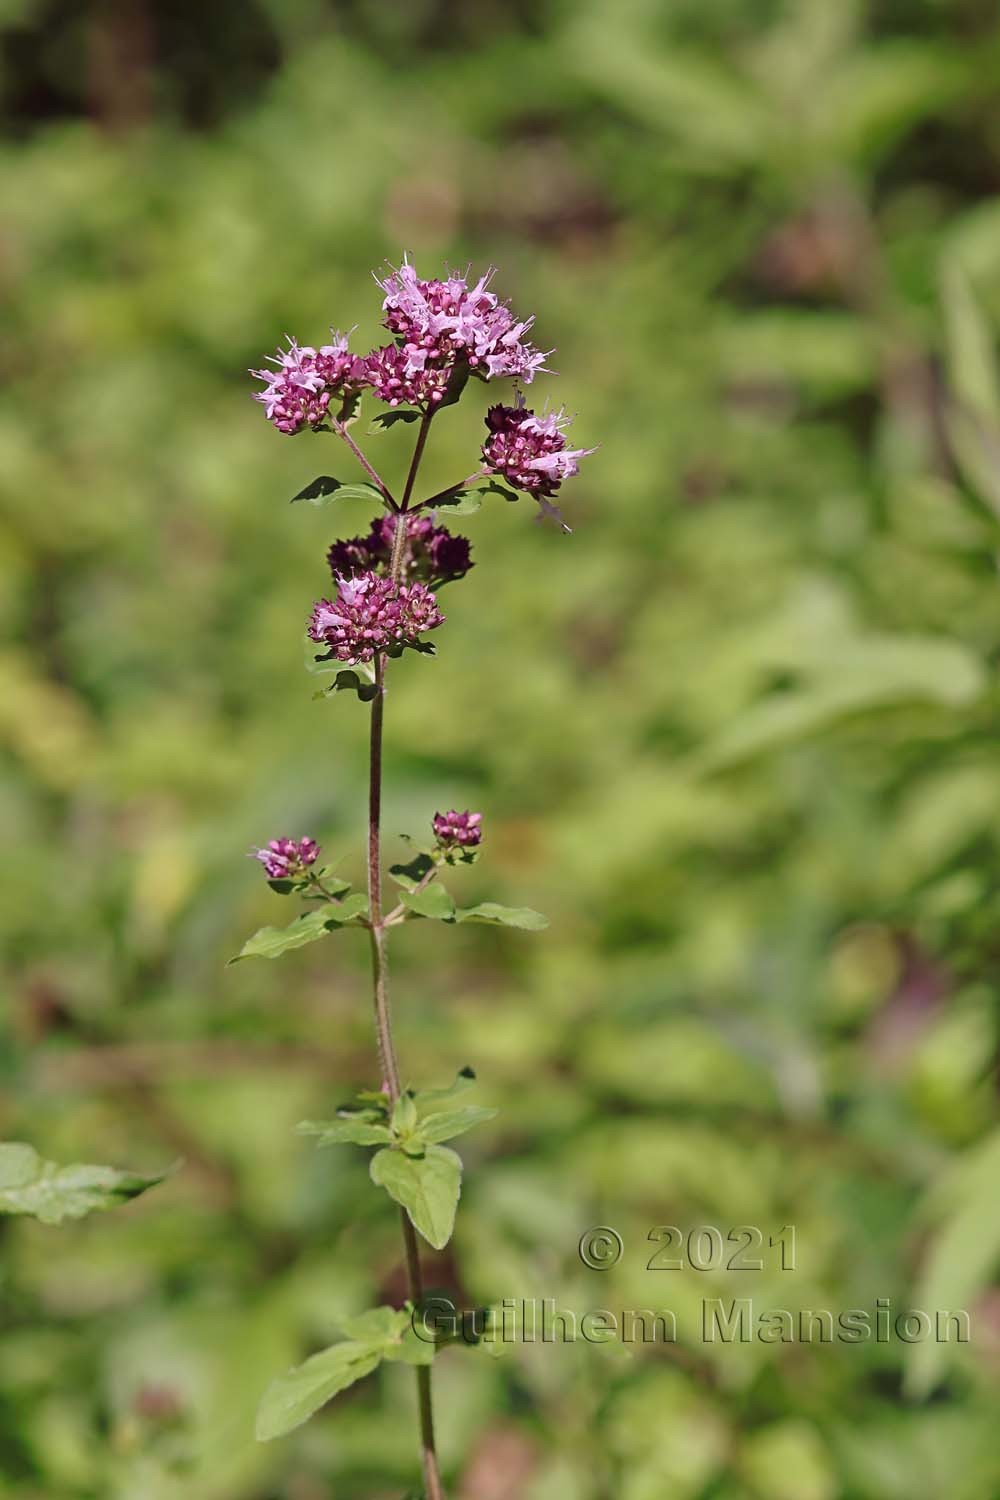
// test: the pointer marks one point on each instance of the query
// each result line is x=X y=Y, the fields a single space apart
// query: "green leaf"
x=324 y=489
x=409 y=876
x=404 y=1114
x=392 y=1330
x=350 y=682
x=456 y=385
x=378 y=1325
x=271 y=942
x=427 y=1186
x=387 y=419
x=294 y=1397
x=459 y=501
x=410 y=1349
x=464 y=1079
x=447 y=1123
x=433 y=901
x=334 y=884
x=961 y=1256
x=50 y=1193
x=495 y=488
x=349 y=408
x=346 y=1131
x=505 y=916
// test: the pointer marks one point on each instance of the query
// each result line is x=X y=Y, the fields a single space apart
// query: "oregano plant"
x=446 y=335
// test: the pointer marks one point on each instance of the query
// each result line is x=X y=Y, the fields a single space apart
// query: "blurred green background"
x=737 y=735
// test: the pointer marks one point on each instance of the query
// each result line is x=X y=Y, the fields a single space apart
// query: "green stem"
x=383 y=489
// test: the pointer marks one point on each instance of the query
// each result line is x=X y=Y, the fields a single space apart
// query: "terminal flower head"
x=286 y=859
x=457 y=830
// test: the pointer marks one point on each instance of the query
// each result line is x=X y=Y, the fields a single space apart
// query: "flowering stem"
x=372 y=473
x=383 y=1018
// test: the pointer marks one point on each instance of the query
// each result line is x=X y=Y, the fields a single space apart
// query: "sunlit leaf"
x=271 y=942
x=427 y=1186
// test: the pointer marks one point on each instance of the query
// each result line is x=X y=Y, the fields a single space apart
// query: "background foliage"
x=736 y=736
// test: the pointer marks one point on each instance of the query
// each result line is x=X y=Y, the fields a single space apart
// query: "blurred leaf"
x=504 y=916
x=446 y=1124
x=294 y=1397
x=29 y=1185
x=427 y=1186
x=346 y=1131
x=962 y=1257
x=878 y=673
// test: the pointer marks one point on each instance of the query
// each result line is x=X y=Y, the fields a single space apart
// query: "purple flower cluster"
x=457 y=830
x=432 y=553
x=530 y=451
x=437 y=324
x=372 y=613
x=440 y=327
x=285 y=859
x=298 y=392
x=396 y=381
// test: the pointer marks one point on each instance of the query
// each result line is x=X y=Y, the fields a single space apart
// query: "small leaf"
x=404 y=1114
x=294 y=1397
x=391 y=1329
x=496 y=488
x=387 y=419
x=411 y=1349
x=50 y=1193
x=324 y=489
x=505 y=916
x=459 y=501
x=427 y=1186
x=349 y=408
x=456 y=385
x=379 y=1325
x=464 y=1079
x=433 y=901
x=353 y=1132
x=409 y=876
x=447 y=1123
x=271 y=942
x=350 y=682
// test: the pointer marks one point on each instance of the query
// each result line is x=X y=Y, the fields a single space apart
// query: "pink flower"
x=461 y=830
x=396 y=378
x=286 y=859
x=439 y=322
x=298 y=392
x=530 y=451
x=372 y=613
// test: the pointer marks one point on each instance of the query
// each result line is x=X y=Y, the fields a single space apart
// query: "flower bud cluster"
x=431 y=552
x=457 y=830
x=287 y=859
